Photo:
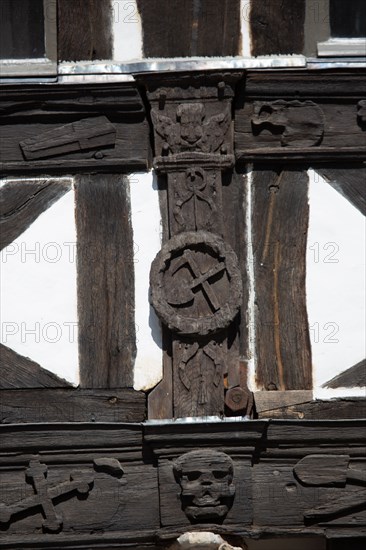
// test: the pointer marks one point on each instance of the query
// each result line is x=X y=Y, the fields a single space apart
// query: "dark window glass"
x=21 y=29
x=348 y=18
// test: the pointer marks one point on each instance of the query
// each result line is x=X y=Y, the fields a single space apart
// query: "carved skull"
x=206 y=480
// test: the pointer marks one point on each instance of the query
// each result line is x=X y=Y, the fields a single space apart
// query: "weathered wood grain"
x=111 y=504
x=18 y=372
x=70 y=438
x=277 y=26
x=21 y=202
x=160 y=399
x=350 y=181
x=71 y=405
x=353 y=377
x=268 y=401
x=280 y=219
x=105 y=282
x=184 y=28
x=279 y=499
x=333 y=409
x=84 y=30
x=343 y=137
x=30 y=113
x=235 y=192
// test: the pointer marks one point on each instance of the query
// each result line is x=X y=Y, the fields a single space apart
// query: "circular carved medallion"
x=195 y=284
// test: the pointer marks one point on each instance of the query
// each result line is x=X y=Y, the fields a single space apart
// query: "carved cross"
x=44 y=495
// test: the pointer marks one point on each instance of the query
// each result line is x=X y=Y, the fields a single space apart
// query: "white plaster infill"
x=335 y=286
x=146 y=227
x=127 y=30
x=38 y=288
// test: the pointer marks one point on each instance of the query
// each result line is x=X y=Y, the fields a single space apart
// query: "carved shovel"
x=328 y=471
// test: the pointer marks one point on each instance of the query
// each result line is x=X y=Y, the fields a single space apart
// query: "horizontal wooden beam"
x=308 y=116
x=331 y=409
x=71 y=405
x=114 y=464
x=60 y=128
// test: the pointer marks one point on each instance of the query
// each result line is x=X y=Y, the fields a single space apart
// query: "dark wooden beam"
x=84 y=30
x=107 y=343
x=71 y=128
x=353 y=377
x=22 y=202
x=184 y=28
x=332 y=409
x=302 y=115
x=277 y=26
x=349 y=181
x=280 y=220
x=71 y=405
x=18 y=372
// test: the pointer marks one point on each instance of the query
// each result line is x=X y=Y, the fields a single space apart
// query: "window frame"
x=318 y=38
x=41 y=66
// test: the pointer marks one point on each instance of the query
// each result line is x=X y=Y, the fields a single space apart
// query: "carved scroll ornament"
x=206 y=481
x=300 y=123
x=196 y=284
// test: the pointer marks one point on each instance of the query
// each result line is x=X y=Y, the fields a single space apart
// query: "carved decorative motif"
x=300 y=123
x=196 y=284
x=191 y=129
x=44 y=495
x=46 y=492
x=206 y=481
x=195 y=280
x=331 y=471
x=194 y=196
x=84 y=135
x=193 y=353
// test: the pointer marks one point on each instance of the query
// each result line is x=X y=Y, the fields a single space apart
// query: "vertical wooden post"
x=105 y=282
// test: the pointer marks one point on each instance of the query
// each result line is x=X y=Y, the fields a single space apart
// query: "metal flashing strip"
x=111 y=71
x=184 y=64
x=322 y=63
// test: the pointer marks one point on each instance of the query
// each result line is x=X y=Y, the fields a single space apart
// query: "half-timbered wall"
x=182 y=355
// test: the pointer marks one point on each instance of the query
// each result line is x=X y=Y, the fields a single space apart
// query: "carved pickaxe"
x=44 y=496
x=185 y=294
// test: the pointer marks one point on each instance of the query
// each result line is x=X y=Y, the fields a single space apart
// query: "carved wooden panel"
x=62 y=127
x=71 y=486
x=283 y=116
x=196 y=286
x=210 y=486
x=102 y=485
x=300 y=123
